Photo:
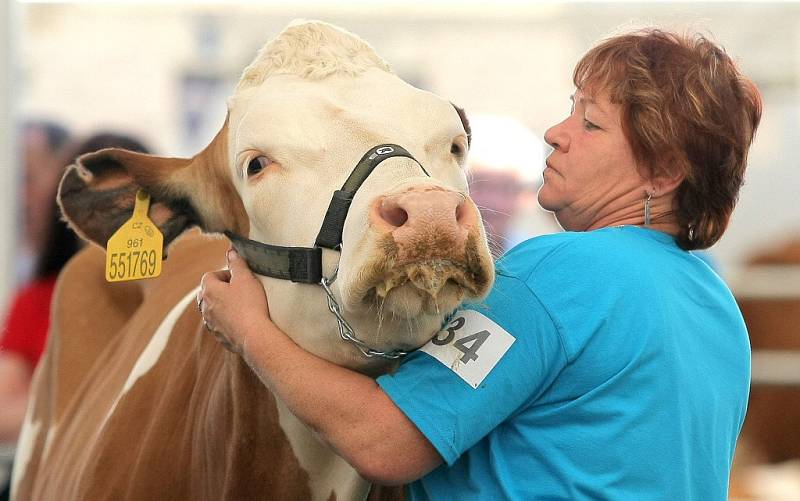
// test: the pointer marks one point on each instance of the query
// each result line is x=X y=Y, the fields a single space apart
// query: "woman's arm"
x=348 y=409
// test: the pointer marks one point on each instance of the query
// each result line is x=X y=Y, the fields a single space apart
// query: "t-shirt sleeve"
x=455 y=405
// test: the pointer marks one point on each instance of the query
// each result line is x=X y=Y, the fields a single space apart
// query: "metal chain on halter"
x=346 y=332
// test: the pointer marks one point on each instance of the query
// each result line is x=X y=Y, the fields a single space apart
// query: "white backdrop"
x=8 y=174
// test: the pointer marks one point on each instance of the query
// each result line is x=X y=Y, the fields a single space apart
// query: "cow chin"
x=433 y=286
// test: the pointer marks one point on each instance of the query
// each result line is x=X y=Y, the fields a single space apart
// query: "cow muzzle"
x=425 y=223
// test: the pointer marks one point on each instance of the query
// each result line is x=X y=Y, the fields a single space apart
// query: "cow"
x=132 y=401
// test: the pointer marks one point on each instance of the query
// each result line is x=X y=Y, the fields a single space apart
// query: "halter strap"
x=304 y=264
x=330 y=234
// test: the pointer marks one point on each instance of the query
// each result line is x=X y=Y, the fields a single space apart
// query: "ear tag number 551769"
x=134 y=251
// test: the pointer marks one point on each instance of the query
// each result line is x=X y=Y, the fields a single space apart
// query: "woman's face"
x=591 y=180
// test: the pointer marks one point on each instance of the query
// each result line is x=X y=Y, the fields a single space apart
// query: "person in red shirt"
x=24 y=335
x=28 y=320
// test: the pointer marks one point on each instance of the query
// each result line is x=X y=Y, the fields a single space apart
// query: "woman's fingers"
x=211 y=279
x=212 y=297
x=238 y=267
x=245 y=281
x=217 y=276
x=209 y=286
x=233 y=303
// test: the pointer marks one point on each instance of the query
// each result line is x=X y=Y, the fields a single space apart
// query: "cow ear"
x=98 y=192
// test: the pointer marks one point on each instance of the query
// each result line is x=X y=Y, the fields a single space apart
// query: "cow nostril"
x=395 y=216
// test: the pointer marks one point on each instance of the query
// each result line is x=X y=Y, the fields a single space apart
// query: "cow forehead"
x=287 y=113
x=312 y=50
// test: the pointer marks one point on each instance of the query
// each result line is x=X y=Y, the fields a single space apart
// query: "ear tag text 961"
x=135 y=250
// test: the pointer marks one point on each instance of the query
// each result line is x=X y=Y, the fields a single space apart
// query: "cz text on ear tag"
x=135 y=250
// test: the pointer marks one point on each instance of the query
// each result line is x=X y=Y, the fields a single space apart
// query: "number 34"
x=468 y=345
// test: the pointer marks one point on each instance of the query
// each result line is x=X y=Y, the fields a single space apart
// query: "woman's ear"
x=667 y=181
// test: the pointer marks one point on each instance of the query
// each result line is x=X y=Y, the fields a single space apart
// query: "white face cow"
x=314 y=101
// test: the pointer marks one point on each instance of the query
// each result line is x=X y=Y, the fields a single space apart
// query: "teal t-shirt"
x=627 y=377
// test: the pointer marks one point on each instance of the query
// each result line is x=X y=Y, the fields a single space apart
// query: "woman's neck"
x=662 y=217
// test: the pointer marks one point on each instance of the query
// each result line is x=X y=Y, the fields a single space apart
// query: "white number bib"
x=470 y=345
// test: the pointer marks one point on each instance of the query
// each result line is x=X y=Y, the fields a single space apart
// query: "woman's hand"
x=347 y=409
x=233 y=304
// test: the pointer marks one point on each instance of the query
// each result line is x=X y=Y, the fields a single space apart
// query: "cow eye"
x=257 y=164
x=458 y=149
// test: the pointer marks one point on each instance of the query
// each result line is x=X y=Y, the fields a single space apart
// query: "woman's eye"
x=257 y=164
x=589 y=125
x=456 y=149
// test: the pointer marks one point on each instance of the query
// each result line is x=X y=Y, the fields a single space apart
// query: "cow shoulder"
x=88 y=313
x=78 y=333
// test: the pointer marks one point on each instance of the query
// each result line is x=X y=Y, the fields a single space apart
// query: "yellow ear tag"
x=134 y=251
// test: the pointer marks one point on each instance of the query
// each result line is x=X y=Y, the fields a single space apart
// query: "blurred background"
x=159 y=73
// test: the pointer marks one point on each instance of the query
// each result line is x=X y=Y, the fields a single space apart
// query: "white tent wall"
x=8 y=173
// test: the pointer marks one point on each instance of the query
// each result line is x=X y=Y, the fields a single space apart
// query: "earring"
x=647 y=208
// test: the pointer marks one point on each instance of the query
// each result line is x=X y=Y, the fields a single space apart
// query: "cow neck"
x=304 y=264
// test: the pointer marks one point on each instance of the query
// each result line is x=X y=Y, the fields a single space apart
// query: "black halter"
x=304 y=264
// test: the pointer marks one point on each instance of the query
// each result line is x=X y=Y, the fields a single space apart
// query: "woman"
x=628 y=372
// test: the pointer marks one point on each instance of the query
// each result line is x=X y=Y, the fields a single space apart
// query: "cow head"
x=304 y=112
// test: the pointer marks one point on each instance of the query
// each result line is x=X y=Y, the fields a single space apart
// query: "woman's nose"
x=557 y=137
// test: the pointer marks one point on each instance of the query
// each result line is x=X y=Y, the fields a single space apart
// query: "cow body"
x=132 y=399
x=123 y=415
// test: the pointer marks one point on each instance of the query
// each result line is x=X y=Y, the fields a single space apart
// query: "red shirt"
x=28 y=320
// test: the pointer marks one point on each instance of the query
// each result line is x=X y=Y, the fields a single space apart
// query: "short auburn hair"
x=685 y=109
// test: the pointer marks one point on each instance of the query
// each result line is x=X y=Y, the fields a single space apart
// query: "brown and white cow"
x=132 y=401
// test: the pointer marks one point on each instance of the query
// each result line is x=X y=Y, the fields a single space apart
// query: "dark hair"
x=686 y=109
x=62 y=243
x=55 y=135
